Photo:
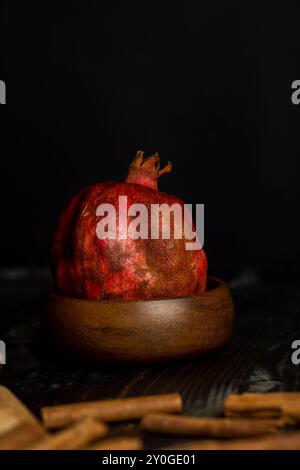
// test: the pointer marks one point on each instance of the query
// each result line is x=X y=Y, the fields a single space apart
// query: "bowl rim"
x=218 y=285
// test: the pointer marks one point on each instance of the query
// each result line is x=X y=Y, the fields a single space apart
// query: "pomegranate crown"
x=146 y=171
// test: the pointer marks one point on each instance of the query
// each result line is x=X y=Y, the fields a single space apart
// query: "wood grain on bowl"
x=142 y=331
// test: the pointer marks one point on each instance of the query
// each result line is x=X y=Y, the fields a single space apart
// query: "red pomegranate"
x=86 y=266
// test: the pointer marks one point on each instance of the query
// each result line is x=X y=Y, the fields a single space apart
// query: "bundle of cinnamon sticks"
x=251 y=421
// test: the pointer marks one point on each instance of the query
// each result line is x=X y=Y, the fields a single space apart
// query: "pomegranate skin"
x=85 y=266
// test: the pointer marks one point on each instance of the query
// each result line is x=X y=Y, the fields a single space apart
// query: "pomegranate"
x=86 y=266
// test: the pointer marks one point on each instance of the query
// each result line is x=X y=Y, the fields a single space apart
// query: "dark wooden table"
x=257 y=359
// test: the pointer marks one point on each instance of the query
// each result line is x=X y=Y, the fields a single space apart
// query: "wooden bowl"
x=142 y=331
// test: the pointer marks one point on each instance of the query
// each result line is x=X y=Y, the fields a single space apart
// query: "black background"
x=207 y=85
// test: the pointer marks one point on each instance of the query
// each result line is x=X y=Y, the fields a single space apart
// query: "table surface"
x=258 y=358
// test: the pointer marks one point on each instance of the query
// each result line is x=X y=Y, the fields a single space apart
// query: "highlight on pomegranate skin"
x=88 y=267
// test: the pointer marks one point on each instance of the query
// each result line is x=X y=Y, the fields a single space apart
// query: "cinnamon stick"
x=21 y=436
x=291 y=413
x=289 y=441
x=208 y=427
x=14 y=413
x=118 y=443
x=120 y=409
x=75 y=437
x=259 y=414
x=260 y=405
